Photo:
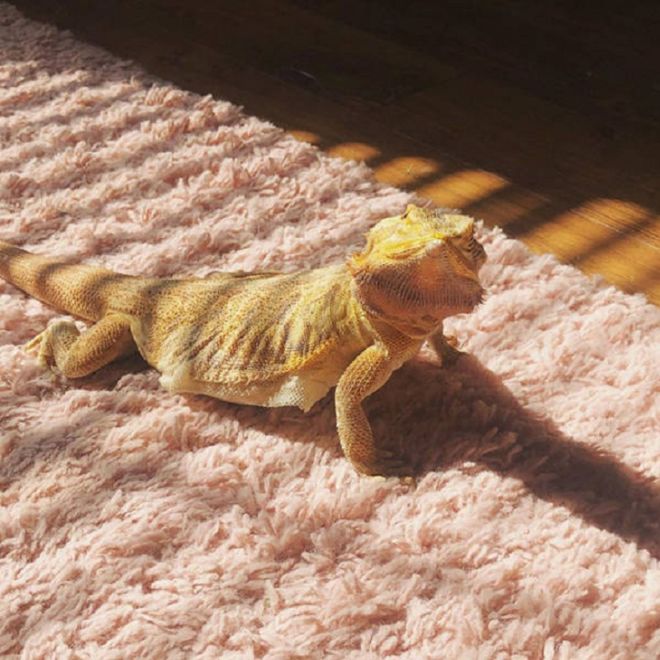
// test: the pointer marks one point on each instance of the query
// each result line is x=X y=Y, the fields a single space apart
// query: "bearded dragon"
x=271 y=339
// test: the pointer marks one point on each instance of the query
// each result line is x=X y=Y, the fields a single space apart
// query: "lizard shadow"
x=468 y=417
x=464 y=416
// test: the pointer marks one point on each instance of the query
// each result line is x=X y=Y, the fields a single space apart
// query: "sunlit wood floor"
x=543 y=118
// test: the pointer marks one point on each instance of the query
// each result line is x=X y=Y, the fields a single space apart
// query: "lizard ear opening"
x=357 y=260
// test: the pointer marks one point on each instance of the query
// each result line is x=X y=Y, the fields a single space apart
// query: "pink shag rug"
x=136 y=523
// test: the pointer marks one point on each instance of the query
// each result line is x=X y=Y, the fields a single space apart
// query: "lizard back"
x=242 y=328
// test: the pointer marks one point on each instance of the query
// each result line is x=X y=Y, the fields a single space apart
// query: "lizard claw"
x=38 y=346
x=34 y=344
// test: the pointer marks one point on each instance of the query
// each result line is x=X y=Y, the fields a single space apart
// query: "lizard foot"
x=385 y=464
x=56 y=338
x=40 y=347
x=448 y=351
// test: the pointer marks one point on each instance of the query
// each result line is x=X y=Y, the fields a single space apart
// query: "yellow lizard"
x=271 y=339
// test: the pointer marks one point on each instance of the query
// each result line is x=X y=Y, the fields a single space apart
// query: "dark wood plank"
x=478 y=105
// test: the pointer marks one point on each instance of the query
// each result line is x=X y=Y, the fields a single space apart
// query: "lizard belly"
x=301 y=389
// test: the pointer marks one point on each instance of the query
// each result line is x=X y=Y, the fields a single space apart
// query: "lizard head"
x=418 y=268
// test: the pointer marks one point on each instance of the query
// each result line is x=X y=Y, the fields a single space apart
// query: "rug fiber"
x=137 y=523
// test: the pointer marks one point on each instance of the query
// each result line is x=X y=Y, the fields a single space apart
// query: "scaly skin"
x=272 y=339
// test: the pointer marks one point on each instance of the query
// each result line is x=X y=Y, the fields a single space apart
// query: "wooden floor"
x=543 y=118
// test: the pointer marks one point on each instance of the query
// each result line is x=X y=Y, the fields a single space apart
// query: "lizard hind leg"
x=77 y=354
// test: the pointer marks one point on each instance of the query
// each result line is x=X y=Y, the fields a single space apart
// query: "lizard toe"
x=386 y=464
x=38 y=347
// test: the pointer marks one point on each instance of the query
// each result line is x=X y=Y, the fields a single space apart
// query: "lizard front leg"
x=368 y=372
x=78 y=354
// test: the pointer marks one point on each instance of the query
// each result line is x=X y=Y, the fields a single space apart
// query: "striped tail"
x=76 y=289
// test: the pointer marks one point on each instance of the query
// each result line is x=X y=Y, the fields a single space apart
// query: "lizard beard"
x=415 y=304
